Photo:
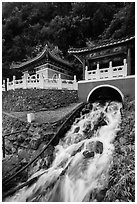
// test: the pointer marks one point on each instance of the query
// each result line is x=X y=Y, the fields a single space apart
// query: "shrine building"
x=108 y=70
x=48 y=64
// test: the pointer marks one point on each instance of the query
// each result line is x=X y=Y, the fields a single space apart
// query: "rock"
x=122 y=141
x=99 y=147
x=85 y=111
x=87 y=128
x=90 y=146
x=34 y=143
x=89 y=106
x=76 y=129
x=100 y=196
x=12 y=138
x=88 y=154
x=14 y=150
x=95 y=146
x=21 y=138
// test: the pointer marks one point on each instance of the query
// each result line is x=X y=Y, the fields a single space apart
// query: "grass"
x=45 y=116
x=121 y=186
x=37 y=100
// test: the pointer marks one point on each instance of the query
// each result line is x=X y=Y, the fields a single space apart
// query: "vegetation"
x=37 y=99
x=122 y=175
x=28 y=26
x=121 y=187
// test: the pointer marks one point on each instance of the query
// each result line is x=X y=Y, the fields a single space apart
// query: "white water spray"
x=82 y=161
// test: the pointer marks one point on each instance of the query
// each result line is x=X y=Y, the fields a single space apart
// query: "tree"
x=123 y=23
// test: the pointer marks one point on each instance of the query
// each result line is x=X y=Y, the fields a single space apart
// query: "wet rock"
x=100 y=196
x=99 y=147
x=87 y=128
x=76 y=129
x=89 y=106
x=90 y=146
x=88 y=154
x=85 y=111
x=95 y=146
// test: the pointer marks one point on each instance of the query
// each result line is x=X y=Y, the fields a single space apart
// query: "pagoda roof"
x=99 y=46
x=45 y=52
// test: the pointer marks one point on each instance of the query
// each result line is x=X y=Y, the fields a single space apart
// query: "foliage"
x=36 y=100
x=123 y=23
x=122 y=175
x=28 y=25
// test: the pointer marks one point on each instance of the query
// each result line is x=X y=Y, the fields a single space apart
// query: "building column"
x=7 y=84
x=125 y=67
x=86 y=73
x=84 y=70
x=75 y=85
x=129 y=62
x=110 y=70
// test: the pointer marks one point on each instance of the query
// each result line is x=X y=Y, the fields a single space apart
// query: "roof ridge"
x=45 y=49
x=99 y=46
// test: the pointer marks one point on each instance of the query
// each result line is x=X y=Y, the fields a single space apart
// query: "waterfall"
x=83 y=159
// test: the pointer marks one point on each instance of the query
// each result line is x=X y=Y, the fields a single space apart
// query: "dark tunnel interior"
x=103 y=94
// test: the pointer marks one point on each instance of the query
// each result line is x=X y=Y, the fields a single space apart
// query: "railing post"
x=7 y=84
x=41 y=79
x=4 y=87
x=59 y=82
x=86 y=73
x=97 y=72
x=125 y=67
x=25 y=80
x=14 y=82
x=110 y=70
x=75 y=85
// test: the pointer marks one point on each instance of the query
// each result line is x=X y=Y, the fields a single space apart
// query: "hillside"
x=28 y=26
x=121 y=186
x=37 y=100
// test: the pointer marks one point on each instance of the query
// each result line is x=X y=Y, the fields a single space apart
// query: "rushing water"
x=80 y=170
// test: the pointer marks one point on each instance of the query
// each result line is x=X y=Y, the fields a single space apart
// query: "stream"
x=82 y=160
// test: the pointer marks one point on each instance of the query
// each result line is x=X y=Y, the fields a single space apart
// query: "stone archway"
x=105 y=92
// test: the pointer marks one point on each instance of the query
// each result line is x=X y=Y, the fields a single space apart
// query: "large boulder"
x=88 y=154
x=92 y=148
x=99 y=147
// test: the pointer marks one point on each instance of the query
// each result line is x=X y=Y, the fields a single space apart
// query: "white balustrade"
x=41 y=82
x=104 y=73
x=3 y=86
x=92 y=75
x=118 y=71
x=107 y=73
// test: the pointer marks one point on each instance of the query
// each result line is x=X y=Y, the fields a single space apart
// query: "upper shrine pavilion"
x=48 y=64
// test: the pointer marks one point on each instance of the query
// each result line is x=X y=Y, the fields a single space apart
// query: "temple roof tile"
x=107 y=44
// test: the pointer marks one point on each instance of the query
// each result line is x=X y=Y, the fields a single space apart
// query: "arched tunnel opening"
x=105 y=93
